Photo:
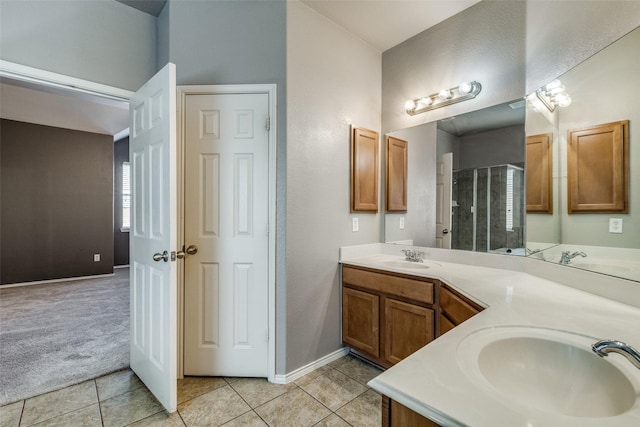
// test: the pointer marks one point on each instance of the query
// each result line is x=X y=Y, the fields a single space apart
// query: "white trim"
x=122 y=134
x=115 y=267
x=271 y=90
x=300 y=372
x=65 y=279
x=50 y=79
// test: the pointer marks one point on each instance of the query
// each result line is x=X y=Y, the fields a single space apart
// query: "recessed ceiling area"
x=387 y=23
x=152 y=7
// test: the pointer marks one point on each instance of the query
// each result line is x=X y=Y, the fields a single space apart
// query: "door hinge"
x=268 y=126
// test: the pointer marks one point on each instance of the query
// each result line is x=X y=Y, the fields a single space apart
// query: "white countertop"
x=431 y=381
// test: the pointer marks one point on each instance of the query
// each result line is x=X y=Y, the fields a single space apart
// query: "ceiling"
x=381 y=23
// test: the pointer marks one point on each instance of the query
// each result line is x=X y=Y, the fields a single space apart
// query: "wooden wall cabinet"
x=598 y=168
x=396 y=174
x=539 y=168
x=364 y=170
x=386 y=317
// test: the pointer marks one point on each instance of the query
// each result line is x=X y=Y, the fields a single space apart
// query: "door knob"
x=192 y=250
x=445 y=231
x=164 y=256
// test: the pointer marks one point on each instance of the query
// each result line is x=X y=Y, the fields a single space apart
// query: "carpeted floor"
x=58 y=334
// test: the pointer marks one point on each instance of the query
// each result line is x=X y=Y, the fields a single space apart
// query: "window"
x=126 y=196
x=509 y=206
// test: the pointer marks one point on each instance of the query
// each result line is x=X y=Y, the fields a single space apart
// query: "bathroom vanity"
x=487 y=346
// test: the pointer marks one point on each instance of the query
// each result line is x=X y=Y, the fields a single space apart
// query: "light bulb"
x=563 y=100
x=410 y=105
x=555 y=90
x=465 y=87
x=552 y=85
x=426 y=101
x=445 y=94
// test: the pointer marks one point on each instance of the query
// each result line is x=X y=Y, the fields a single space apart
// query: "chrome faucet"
x=567 y=256
x=412 y=256
x=604 y=347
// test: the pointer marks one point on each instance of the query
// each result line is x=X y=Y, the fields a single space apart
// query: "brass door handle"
x=192 y=250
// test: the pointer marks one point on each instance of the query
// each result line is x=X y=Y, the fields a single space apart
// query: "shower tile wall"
x=493 y=180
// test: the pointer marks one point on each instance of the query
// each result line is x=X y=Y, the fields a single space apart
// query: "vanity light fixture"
x=466 y=90
x=553 y=95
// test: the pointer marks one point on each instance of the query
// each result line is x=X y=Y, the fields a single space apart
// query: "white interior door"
x=443 y=201
x=227 y=217
x=154 y=235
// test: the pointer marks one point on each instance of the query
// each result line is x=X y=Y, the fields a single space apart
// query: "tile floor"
x=333 y=395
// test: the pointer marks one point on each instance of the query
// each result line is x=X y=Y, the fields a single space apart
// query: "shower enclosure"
x=488 y=209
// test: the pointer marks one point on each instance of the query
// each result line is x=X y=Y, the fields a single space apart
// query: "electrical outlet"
x=615 y=225
x=96 y=257
x=355 y=224
x=401 y=223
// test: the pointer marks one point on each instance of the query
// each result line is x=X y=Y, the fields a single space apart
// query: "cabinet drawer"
x=456 y=307
x=417 y=290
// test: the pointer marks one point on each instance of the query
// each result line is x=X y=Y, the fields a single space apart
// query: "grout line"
x=24 y=402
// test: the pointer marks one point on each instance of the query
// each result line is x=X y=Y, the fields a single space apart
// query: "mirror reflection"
x=465 y=182
x=602 y=89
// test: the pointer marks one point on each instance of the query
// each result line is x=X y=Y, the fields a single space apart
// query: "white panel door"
x=226 y=217
x=443 y=200
x=153 y=235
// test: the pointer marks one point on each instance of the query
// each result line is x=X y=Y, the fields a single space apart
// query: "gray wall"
x=333 y=81
x=100 y=41
x=56 y=202
x=491 y=148
x=236 y=42
x=120 y=238
x=485 y=42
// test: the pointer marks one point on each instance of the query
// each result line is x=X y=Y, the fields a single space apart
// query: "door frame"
x=271 y=90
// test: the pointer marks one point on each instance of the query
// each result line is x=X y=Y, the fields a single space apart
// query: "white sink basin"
x=549 y=370
x=412 y=265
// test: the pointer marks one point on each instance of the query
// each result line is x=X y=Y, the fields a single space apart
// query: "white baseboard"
x=115 y=267
x=304 y=370
x=66 y=279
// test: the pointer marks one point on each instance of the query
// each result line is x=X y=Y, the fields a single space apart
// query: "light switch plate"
x=96 y=257
x=355 y=224
x=615 y=225
x=401 y=223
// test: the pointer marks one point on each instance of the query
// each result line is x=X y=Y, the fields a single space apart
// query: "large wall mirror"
x=603 y=89
x=466 y=174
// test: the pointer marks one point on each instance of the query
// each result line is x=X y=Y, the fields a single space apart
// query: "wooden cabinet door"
x=408 y=328
x=396 y=173
x=361 y=321
x=397 y=415
x=364 y=170
x=598 y=168
x=539 y=173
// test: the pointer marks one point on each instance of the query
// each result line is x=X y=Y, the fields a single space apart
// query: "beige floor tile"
x=85 y=417
x=10 y=414
x=214 y=408
x=312 y=375
x=129 y=407
x=357 y=369
x=50 y=405
x=257 y=391
x=117 y=383
x=364 y=411
x=292 y=409
x=190 y=387
x=334 y=389
x=232 y=379
x=250 y=419
x=332 y=421
x=161 y=419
